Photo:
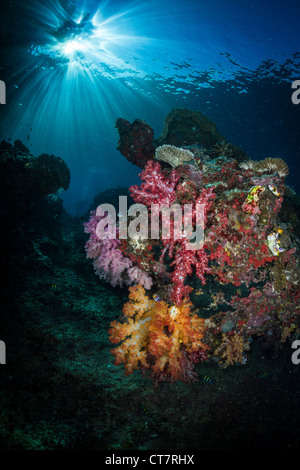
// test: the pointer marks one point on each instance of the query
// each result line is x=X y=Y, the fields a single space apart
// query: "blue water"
x=66 y=85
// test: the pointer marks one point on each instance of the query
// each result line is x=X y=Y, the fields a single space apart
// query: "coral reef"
x=61 y=389
x=240 y=281
x=30 y=205
x=136 y=141
x=183 y=127
x=41 y=175
x=51 y=173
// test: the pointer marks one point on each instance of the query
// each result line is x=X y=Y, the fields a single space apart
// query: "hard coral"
x=51 y=172
x=271 y=165
x=173 y=155
x=41 y=175
x=186 y=127
x=136 y=141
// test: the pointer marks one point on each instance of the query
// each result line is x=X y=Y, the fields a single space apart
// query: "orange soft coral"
x=165 y=340
x=134 y=332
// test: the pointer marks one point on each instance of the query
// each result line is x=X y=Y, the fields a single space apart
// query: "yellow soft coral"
x=231 y=349
x=156 y=336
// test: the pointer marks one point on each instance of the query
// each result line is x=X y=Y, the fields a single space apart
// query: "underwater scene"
x=150 y=227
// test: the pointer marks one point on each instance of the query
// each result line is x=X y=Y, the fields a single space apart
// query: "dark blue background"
x=232 y=60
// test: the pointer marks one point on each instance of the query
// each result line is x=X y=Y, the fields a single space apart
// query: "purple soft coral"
x=109 y=262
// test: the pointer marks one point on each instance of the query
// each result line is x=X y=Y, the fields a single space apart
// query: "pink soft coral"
x=109 y=262
x=156 y=187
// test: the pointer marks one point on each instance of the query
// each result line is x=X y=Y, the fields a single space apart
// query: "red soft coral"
x=156 y=187
x=183 y=263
